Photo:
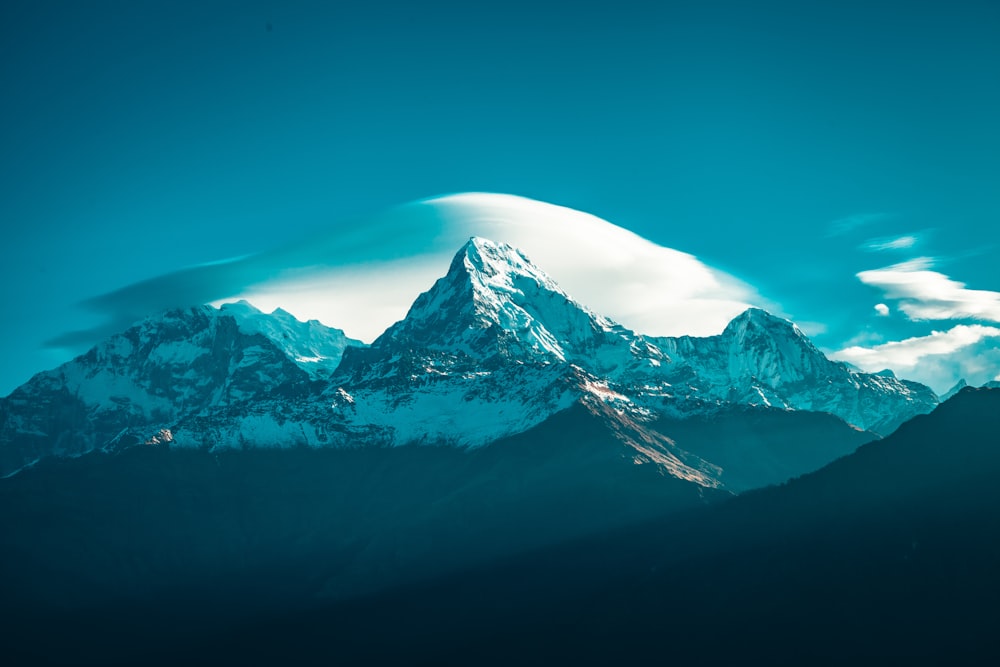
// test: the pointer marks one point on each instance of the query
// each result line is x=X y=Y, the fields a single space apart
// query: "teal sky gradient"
x=142 y=137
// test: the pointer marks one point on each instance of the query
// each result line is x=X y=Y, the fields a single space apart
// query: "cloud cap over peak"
x=363 y=276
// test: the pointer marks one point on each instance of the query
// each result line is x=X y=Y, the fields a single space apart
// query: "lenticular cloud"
x=363 y=276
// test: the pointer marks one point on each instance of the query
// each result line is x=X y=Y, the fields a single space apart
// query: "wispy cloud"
x=886 y=244
x=970 y=352
x=364 y=277
x=848 y=224
x=924 y=294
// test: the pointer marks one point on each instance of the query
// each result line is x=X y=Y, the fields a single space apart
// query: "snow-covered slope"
x=314 y=347
x=493 y=348
x=761 y=359
x=137 y=385
x=494 y=306
x=496 y=346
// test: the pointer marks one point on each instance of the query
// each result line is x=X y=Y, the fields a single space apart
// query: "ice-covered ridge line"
x=457 y=410
x=498 y=268
x=495 y=303
x=762 y=359
x=313 y=346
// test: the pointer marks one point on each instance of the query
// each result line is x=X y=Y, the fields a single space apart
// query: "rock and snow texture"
x=495 y=306
x=314 y=347
x=760 y=359
x=492 y=349
x=183 y=364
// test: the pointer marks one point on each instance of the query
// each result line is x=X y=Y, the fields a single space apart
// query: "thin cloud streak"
x=845 y=225
x=924 y=294
x=888 y=244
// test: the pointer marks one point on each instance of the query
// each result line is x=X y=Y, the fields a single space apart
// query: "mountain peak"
x=241 y=308
x=759 y=315
x=755 y=319
x=481 y=244
x=495 y=305
x=493 y=264
x=959 y=386
x=493 y=290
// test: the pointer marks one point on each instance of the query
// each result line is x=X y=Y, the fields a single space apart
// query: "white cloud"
x=881 y=309
x=924 y=294
x=898 y=243
x=970 y=352
x=364 y=276
x=645 y=286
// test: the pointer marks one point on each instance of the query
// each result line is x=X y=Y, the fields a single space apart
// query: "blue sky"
x=790 y=144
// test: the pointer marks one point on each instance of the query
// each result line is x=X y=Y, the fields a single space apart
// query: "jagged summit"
x=758 y=318
x=763 y=359
x=490 y=258
x=313 y=346
x=492 y=347
x=495 y=301
x=959 y=386
x=755 y=315
x=770 y=348
x=504 y=282
x=756 y=328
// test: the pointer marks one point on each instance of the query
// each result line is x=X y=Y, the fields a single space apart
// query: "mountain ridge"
x=493 y=348
x=762 y=359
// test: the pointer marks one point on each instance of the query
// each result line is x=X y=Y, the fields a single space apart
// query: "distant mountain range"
x=494 y=348
x=212 y=466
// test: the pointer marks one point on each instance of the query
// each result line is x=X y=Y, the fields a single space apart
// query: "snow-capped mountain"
x=761 y=359
x=495 y=306
x=136 y=385
x=314 y=347
x=493 y=348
